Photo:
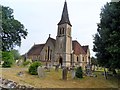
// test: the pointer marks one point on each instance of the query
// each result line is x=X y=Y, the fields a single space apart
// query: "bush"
x=79 y=72
x=33 y=68
x=7 y=64
x=8 y=59
x=26 y=63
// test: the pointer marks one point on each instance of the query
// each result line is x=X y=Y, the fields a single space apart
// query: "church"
x=62 y=51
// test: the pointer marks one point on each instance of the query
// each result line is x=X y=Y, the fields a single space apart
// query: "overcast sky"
x=41 y=17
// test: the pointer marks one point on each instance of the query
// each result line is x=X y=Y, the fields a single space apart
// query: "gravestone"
x=73 y=73
x=57 y=67
x=19 y=62
x=88 y=70
x=48 y=67
x=64 y=74
x=40 y=71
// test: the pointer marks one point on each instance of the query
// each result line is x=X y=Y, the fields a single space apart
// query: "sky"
x=40 y=18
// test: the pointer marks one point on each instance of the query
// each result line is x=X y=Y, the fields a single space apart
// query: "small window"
x=62 y=30
x=77 y=59
x=69 y=31
x=83 y=59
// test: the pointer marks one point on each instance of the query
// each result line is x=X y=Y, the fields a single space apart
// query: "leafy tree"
x=94 y=62
x=12 y=30
x=16 y=54
x=107 y=39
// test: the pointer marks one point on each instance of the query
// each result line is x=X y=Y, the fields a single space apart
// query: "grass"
x=53 y=79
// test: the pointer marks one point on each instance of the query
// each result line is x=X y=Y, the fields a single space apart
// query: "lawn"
x=53 y=79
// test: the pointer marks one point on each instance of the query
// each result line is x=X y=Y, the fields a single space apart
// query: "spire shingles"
x=65 y=16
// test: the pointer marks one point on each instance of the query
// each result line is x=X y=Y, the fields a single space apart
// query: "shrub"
x=33 y=68
x=8 y=59
x=7 y=64
x=79 y=72
x=26 y=63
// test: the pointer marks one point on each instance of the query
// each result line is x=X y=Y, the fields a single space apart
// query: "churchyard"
x=53 y=79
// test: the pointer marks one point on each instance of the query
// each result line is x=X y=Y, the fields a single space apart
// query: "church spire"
x=65 y=16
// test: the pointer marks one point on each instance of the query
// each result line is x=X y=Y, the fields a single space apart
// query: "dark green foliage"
x=94 y=61
x=8 y=59
x=16 y=54
x=26 y=63
x=107 y=39
x=7 y=64
x=79 y=72
x=12 y=30
x=33 y=67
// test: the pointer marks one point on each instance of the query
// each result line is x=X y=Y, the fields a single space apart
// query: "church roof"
x=77 y=48
x=85 y=48
x=36 y=49
x=65 y=16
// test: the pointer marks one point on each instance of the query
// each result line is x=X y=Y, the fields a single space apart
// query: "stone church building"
x=63 y=50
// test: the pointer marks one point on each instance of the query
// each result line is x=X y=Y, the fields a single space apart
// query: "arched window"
x=58 y=31
x=62 y=30
x=69 y=31
x=48 y=53
x=77 y=59
x=83 y=59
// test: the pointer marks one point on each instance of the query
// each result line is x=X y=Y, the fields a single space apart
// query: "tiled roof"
x=36 y=49
x=77 y=48
x=85 y=48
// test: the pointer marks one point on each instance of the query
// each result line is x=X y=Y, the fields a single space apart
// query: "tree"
x=12 y=30
x=79 y=72
x=16 y=54
x=94 y=62
x=107 y=39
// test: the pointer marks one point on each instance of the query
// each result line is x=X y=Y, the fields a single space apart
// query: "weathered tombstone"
x=73 y=73
x=48 y=67
x=88 y=70
x=64 y=74
x=41 y=72
x=19 y=62
x=56 y=68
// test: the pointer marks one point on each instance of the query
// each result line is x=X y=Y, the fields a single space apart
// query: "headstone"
x=48 y=67
x=41 y=72
x=19 y=62
x=88 y=70
x=64 y=74
x=57 y=68
x=73 y=73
